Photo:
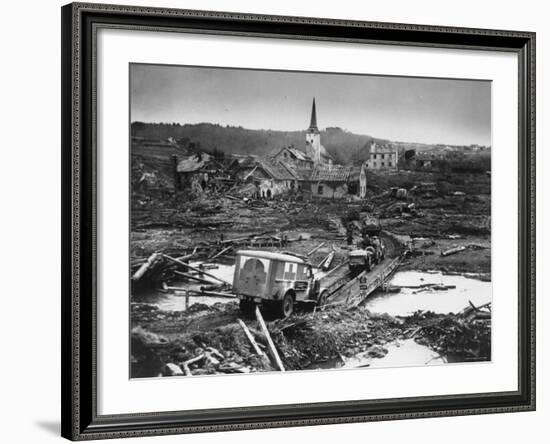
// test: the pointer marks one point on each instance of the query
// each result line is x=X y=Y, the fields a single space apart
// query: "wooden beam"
x=316 y=248
x=273 y=350
x=198 y=270
x=255 y=345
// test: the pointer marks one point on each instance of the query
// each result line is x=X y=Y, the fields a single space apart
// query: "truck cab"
x=277 y=280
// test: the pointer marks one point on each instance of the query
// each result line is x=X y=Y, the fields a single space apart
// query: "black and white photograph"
x=293 y=221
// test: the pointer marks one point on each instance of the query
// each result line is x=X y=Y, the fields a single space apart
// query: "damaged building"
x=332 y=181
x=287 y=170
x=194 y=172
x=270 y=177
x=294 y=157
x=382 y=157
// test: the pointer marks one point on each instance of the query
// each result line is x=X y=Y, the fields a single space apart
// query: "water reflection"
x=408 y=300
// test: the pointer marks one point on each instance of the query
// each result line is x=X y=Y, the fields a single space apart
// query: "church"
x=314 y=149
x=314 y=167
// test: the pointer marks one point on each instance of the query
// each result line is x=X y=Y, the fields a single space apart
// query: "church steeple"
x=313 y=137
x=313 y=123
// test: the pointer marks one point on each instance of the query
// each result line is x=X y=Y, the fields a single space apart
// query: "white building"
x=382 y=157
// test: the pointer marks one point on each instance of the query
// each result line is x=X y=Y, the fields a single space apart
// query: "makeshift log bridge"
x=359 y=288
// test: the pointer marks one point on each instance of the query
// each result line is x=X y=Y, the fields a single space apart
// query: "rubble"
x=228 y=344
x=466 y=334
x=211 y=225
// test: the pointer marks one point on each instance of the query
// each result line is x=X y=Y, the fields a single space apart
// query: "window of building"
x=320 y=189
x=383 y=164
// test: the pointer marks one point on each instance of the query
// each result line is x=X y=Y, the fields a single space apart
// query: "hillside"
x=344 y=146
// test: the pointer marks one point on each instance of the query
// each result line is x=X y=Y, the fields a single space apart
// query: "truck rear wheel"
x=247 y=306
x=286 y=307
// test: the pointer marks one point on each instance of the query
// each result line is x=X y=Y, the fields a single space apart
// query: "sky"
x=404 y=109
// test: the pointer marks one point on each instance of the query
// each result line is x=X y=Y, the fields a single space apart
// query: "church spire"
x=313 y=123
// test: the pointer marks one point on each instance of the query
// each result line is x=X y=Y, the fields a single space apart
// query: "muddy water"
x=175 y=301
x=400 y=354
x=409 y=300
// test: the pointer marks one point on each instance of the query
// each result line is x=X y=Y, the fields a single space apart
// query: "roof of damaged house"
x=277 y=170
x=332 y=173
x=300 y=155
x=273 y=168
x=298 y=173
x=194 y=162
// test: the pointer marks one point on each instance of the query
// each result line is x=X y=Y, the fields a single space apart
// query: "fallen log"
x=316 y=248
x=213 y=294
x=187 y=256
x=220 y=253
x=194 y=278
x=151 y=261
x=273 y=350
x=187 y=291
x=185 y=365
x=183 y=264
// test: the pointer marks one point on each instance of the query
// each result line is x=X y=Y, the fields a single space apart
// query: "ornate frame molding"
x=79 y=395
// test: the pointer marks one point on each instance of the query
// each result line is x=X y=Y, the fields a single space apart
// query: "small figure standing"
x=349 y=233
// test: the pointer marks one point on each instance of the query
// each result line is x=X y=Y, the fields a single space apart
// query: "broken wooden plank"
x=185 y=365
x=198 y=292
x=194 y=278
x=453 y=250
x=251 y=339
x=273 y=350
x=316 y=248
x=221 y=252
x=190 y=267
x=328 y=260
x=187 y=256
x=214 y=294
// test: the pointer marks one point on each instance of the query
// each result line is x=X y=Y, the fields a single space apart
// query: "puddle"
x=400 y=354
x=409 y=300
x=408 y=352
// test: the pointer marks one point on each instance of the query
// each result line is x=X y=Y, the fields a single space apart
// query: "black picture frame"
x=79 y=391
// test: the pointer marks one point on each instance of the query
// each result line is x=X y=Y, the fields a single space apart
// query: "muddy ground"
x=454 y=212
x=439 y=219
x=305 y=338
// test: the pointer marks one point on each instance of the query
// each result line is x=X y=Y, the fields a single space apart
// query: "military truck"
x=280 y=280
x=372 y=251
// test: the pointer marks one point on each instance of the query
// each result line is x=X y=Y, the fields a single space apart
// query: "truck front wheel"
x=323 y=298
x=286 y=306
